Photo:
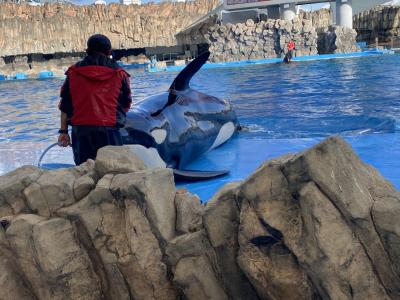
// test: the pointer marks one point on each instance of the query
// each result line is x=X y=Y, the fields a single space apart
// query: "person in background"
x=289 y=54
x=95 y=98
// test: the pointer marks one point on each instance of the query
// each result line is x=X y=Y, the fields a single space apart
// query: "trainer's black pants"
x=86 y=140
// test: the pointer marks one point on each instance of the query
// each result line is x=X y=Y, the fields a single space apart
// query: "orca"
x=172 y=129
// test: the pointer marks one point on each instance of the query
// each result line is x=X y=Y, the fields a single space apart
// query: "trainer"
x=94 y=100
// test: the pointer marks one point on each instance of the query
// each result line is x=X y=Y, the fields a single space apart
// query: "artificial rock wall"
x=382 y=22
x=236 y=42
x=57 y=27
x=319 y=18
x=337 y=39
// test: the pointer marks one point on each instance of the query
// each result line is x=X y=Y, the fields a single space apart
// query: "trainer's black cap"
x=99 y=43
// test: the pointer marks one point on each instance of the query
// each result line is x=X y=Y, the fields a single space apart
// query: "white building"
x=100 y=2
x=128 y=2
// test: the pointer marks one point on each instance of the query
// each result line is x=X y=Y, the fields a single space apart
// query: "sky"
x=314 y=6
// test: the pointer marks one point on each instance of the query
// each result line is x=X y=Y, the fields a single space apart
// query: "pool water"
x=284 y=108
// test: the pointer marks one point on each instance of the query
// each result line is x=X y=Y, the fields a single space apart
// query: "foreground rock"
x=317 y=225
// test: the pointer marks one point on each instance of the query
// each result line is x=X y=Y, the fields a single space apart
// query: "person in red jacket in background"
x=95 y=98
x=289 y=54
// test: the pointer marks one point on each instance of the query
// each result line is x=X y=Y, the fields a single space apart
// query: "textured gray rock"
x=281 y=276
x=154 y=190
x=221 y=221
x=189 y=212
x=195 y=276
x=128 y=252
x=319 y=204
x=12 y=185
x=319 y=18
x=316 y=225
x=354 y=189
x=312 y=34
x=114 y=159
x=337 y=39
x=55 y=270
x=190 y=244
x=12 y=280
x=82 y=186
x=194 y=266
x=382 y=22
x=266 y=39
x=52 y=190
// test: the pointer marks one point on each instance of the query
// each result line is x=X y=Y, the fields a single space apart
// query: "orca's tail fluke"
x=192 y=175
x=182 y=81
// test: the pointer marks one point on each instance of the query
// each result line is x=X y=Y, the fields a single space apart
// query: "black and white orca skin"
x=180 y=124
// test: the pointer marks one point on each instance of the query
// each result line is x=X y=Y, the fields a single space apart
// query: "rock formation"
x=337 y=39
x=58 y=27
x=382 y=22
x=319 y=18
x=235 y=42
x=317 y=225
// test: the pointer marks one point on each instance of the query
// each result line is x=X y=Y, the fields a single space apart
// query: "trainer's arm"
x=64 y=121
x=65 y=107
x=126 y=94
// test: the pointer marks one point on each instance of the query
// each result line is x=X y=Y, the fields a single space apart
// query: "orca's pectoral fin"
x=194 y=175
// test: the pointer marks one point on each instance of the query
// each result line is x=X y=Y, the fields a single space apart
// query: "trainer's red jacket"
x=96 y=93
x=291 y=46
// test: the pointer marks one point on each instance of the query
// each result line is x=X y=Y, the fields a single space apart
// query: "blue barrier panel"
x=21 y=76
x=45 y=74
x=2 y=77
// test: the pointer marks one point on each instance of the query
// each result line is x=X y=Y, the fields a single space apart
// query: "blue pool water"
x=286 y=108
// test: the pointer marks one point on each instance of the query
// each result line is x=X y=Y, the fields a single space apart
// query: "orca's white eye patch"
x=159 y=135
x=224 y=134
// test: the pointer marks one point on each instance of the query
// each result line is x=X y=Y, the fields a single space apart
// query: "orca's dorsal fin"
x=182 y=81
